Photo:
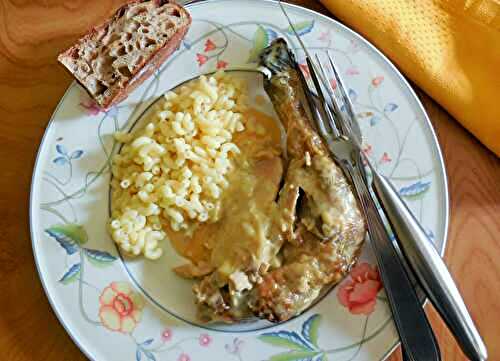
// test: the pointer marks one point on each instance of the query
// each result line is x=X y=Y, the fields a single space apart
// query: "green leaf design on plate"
x=260 y=41
x=71 y=275
x=285 y=339
x=99 y=258
x=69 y=236
x=73 y=231
x=301 y=28
x=294 y=356
x=310 y=329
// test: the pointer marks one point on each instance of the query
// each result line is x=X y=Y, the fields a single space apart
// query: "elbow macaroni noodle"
x=173 y=171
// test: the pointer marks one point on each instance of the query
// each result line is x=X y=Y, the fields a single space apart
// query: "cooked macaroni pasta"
x=173 y=171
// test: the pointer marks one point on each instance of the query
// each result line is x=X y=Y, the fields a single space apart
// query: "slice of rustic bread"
x=115 y=57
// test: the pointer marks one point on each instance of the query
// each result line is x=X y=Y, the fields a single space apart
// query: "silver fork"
x=426 y=264
x=417 y=337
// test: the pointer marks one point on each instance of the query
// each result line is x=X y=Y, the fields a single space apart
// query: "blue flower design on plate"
x=64 y=156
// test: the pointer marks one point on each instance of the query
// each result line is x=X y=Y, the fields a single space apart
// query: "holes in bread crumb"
x=124 y=71
x=126 y=36
x=129 y=48
x=121 y=51
x=174 y=12
x=85 y=68
x=150 y=42
x=100 y=87
x=104 y=50
x=74 y=54
x=167 y=25
x=144 y=30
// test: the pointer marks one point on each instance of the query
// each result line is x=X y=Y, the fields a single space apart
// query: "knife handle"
x=430 y=269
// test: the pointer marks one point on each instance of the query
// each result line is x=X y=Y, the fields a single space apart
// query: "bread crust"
x=146 y=67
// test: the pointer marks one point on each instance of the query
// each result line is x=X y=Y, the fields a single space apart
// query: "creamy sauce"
x=260 y=99
x=238 y=239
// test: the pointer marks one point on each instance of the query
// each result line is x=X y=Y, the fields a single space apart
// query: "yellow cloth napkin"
x=449 y=48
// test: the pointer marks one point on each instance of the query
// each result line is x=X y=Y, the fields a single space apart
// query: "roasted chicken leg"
x=311 y=232
x=323 y=223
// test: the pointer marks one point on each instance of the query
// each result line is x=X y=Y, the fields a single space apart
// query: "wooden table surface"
x=32 y=33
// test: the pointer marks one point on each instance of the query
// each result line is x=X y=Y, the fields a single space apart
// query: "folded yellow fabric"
x=449 y=48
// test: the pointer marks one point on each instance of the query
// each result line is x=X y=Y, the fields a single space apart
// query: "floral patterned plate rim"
x=104 y=301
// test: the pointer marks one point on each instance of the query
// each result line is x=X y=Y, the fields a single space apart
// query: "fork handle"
x=430 y=269
x=417 y=337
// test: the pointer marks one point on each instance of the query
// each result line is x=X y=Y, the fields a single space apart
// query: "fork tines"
x=331 y=123
x=338 y=96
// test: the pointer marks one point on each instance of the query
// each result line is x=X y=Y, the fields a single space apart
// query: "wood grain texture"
x=33 y=32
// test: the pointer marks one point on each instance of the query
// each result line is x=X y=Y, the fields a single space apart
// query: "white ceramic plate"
x=138 y=310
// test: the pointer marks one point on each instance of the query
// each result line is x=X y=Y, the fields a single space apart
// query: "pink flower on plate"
x=210 y=45
x=333 y=83
x=120 y=307
x=353 y=47
x=359 y=293
x=90 y=106
x=385 y=158
x=368 y=150
x=377 y=80
x=201 y=59
x=352 y=71
x=325 y=36
x=205 y=340
x=184 y=357
x=166 y=335
x=221 y=64
x=305 y=70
